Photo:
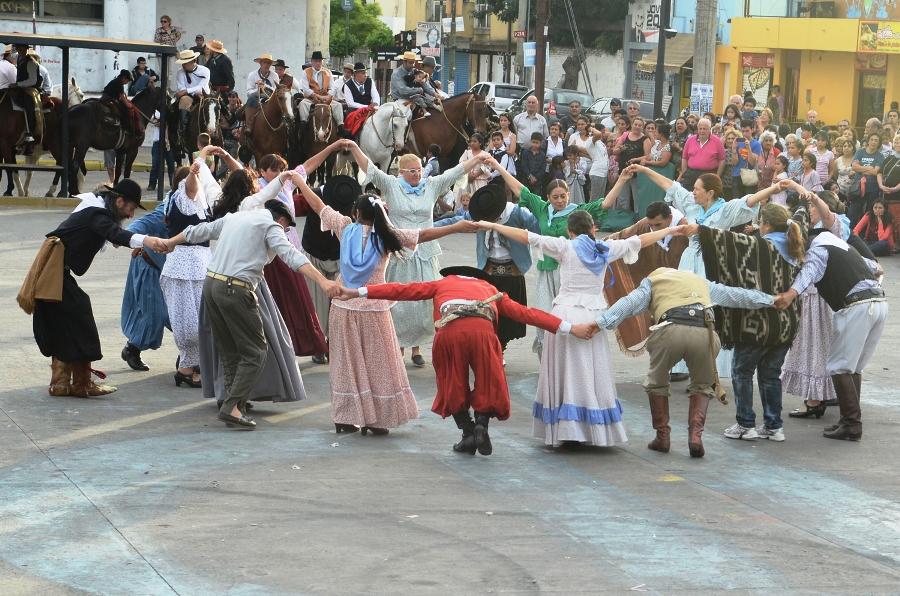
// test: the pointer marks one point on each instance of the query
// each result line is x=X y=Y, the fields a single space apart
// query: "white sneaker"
x=772 y=435
x=736 y=431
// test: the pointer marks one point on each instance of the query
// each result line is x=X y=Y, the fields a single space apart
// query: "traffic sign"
x=519 y=33
x=347 y=5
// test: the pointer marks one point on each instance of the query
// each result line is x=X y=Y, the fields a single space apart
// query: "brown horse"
x=90 y=125
x=463 y=115
x=321 y=131
x=12 y=132
x=272 y=127
x=205 y=116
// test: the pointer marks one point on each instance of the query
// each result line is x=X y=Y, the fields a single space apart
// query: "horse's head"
x=76 y=95
x=477 y=113
x=399 y=123
x=210 y=112
x=282 y=95
x=322 y=122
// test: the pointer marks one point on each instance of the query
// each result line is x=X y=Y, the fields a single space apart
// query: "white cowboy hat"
x=216 y=46
x=265 y=58
x=185 y=56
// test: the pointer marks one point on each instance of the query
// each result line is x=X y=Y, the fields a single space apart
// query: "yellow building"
x=839 y=67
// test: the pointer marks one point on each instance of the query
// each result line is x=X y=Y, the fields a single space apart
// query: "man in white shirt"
x=339 y=84
x=530 y=121
x=8 y=67
x=609 y=123
x=317 y=87
x=192 y=83
x=261 y=83
x=360 y=91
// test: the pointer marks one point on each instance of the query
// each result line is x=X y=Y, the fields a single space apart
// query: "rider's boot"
x=184 y=119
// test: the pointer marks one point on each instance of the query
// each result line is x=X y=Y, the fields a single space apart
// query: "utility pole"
x=705 y=27
x=507 y=61
x=664 y=15
x=451 y=51
x=522 y=25
x=540 y=46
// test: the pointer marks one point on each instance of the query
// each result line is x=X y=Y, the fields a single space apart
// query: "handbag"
x=749 y=177
x=857 y=187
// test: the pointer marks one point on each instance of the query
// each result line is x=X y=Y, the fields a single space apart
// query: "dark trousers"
x=238 y=334
x=154 y=164
x=766 y=361
x=880 y=248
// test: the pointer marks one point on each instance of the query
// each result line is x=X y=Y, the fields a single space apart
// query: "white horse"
x=76 y=96
x=384 y=134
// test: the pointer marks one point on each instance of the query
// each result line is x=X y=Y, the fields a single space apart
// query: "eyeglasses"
x=412 y=170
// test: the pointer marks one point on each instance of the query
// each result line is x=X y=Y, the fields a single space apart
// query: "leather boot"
x=83 y=385
x=857 y=380
x=60 y=378
x=659 y=412
x=183 y=121
x=849 y=427
x=696 y=422
x=482 y=439
x=467 y=426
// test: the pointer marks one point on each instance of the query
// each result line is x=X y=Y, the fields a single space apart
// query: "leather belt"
x=694 y=315
x=148 y=259
x=501 y=268
x=480 y=309
x=231 y=281
x=867 y=294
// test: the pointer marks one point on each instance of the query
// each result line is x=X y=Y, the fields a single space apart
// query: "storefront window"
x=871 y=96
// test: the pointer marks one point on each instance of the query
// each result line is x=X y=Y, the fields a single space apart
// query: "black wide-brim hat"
x=128 y=189
x=317 y=55
x=487 y=203
x=465 y=271
x=278 y=209
x=341 y=193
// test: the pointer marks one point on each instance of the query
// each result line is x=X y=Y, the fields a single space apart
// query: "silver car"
x=499 y=95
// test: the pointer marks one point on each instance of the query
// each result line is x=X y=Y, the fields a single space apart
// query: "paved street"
x=144 y=492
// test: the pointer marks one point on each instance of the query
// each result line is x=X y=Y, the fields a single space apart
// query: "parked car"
x=600 y=109
x=499 y=95
x=556 y=102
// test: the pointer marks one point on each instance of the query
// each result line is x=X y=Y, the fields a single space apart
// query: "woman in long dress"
x=280 y=379
x=369 y=386
x=576 y=398
x=478 y=176
x=411 y=200
x=704 y=206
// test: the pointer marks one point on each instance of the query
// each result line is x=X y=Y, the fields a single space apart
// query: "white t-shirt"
x=7 y=74
x=599 y=158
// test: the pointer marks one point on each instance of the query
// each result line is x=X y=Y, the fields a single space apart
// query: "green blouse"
x=558 y=227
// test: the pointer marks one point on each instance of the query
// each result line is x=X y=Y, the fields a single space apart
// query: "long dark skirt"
x=67 y=330
x=296 y=306
x=514 y=287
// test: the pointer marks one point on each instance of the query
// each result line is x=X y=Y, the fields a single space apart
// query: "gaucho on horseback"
x=318 y=88
x=362 y=98
x=115 y=99
x=27 y=90
x=192 y=84
x=261 y=83
x=404 y=89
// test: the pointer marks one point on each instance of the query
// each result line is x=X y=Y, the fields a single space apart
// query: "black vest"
x=363 y=97
x=845 y=269
x=22 y=73
x=176 y=222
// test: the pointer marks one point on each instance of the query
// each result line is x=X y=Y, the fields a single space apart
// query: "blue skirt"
x=144 y=313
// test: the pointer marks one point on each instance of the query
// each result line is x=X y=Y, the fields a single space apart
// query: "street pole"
x=664 y=14
x=451 y=51
x=522 y=25
x=507 y=63
x=540 y=46
x=705 y=42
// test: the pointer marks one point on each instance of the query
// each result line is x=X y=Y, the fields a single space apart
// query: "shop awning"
x=679 y=51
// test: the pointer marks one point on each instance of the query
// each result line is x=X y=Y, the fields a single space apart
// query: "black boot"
x=482 y=439
x=185 y=118
x=467 y=426
x=132 y=356
x=849 y=428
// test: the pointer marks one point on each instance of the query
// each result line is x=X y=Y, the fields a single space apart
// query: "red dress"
x=468 y=342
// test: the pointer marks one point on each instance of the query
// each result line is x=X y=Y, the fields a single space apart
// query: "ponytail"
x=778 y=217
x=370 y=207
x=796 y=246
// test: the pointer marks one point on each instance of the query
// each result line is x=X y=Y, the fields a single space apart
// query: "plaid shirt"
x=169 y=37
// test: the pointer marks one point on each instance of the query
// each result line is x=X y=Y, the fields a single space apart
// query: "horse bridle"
x=466 y=123
x=395 y=113
x=330 y=128
x=204 y=101
x=284 y=118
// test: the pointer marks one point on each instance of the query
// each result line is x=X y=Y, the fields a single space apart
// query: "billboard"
x=879 y=36
x=428 y=38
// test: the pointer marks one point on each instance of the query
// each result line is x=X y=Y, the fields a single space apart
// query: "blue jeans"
x=766 y=361
x=154 y=164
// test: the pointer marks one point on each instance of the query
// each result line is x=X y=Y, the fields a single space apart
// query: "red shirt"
x=454 y=287
x=703 y=157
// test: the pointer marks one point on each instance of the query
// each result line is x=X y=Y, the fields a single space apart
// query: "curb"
x=57 y=203
x=93 y=165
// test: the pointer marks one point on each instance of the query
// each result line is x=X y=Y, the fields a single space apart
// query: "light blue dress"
x=732 y=213
x=144 y=314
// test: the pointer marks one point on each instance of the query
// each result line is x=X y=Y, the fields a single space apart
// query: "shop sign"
x=701 y=98
x=879 y=36
x=871 y=62
x=749 y=60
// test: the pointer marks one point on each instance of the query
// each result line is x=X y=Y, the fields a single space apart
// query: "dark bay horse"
x=90 y=126
x=321 y=131
x=272 y=128
x=463 y=115
x=205 y=116
x=12 y=132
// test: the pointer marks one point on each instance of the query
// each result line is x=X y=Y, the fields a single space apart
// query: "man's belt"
x=149 y=260
x=231 y=281
x=501 y=268
x=480 y=309
x=867 y=294
x=694 y=315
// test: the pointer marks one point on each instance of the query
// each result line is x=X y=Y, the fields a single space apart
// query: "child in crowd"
x=780 y=169
x=499 y=152
x=532 y=164
x=574 y=175
x=431 y=166
x=557 y=171
x=809 y=179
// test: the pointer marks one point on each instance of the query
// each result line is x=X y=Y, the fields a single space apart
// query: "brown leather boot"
x=696 y=422
x=60 y=378
x=83 y=385
x=857 y=381
x=659 y=412
x=849 y=427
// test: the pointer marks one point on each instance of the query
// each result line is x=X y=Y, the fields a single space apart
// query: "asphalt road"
x=144 y=492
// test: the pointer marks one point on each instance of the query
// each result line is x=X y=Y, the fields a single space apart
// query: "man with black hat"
x=361 y=97
x=114 y=98
x=28 y=87
x=432 y=86
x=65 y=331
x=245 y=240
x=466 y=310
x=284 y=78
x=609 y=123
x=318 y=87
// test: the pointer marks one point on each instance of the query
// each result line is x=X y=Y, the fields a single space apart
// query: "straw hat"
x=408 y=56
x=216 y=46
x=185 y=56
x=265 y=58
